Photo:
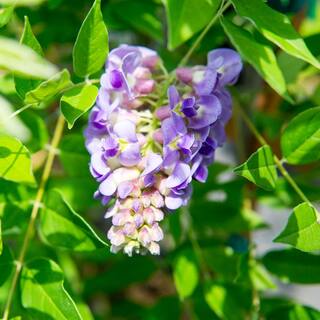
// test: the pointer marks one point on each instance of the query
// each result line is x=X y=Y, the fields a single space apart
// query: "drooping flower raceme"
x=147 y=141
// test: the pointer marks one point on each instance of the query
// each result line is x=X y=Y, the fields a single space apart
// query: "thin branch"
x=220 y=11
x=277 y=161
x=35 y=209
x=12 y=115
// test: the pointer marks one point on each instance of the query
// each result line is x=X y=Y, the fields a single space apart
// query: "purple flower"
x=227 y=63
x=145 y=157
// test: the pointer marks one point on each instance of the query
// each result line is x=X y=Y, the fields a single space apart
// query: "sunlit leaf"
x=23 y=61
x=303 y=229
x=228 y=301
x=77 y=101
x=15 y=161
x=276 y=27
x=91 y=47
x=24 y=85
x=185 y=273
x=61 y=226
x=43 y=294
x=259 y=55
x=300 y=141
x=29 y=39
x=260 y=168
x=48 y=89
x=293 y=265
x=187 y=17
x=5 y=15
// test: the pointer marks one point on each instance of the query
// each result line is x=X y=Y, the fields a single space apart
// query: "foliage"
x=54 y=258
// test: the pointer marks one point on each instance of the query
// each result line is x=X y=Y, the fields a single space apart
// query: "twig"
x=35 y=209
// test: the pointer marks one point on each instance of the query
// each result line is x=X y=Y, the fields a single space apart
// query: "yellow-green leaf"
x=300 y=141
x=259 y=55
x=276 y=27
x=185 y=273
x=303 y=229
x=5 y=15
x=77 y=101
x=48 y=89
x=187 y=17
x=260 y=168
x=43 y=293
x=24 y=85
x=62 y=227
x=15 y=161
x=91 y=47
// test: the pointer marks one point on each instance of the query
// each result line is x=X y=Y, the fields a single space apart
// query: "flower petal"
x=227 y=62
x=154 y=161
x=180 y=174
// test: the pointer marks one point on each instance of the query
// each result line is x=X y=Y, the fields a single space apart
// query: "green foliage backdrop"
x=54 y=258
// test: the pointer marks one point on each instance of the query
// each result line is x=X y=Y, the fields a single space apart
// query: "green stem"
x=195 y=246
x=27 y=106
x=89 y=81
x=277 y=161
x=185 y=59
x=35 y=209
x=223 y=7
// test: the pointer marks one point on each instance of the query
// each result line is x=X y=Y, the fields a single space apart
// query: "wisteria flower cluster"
x=148 y=139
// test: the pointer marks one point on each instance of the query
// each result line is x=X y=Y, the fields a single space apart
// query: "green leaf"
x=259 y=55
x=6 y=265
x=91 y=48
x=144 y=13
x=300 y=141
x=29 y=39
x=43 y=294
x=77 y=101
x=61 y=226
x=25 y=85
x=293 y=312
x=1 y=244
x=276 y=27
x=15 y=161
x=260 y=169
x=228 y=301
x=80 y=198
x=74 y=156
x=185 y=273
x=187 y=17
x=137 y=269
x=48 y=89
x=303 y=229
x=223 y=261
x=23 y=61
x=37 y=125
x=293 y=266
x=251 y=273
x=5 y=15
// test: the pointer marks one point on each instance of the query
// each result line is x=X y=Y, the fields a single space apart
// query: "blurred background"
x=230 y=218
